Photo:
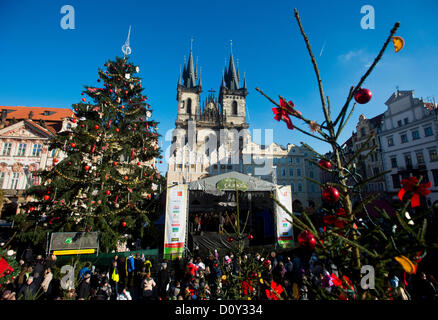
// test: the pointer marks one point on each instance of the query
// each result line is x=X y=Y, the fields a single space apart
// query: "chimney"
x=4 y=115
x=30 y=115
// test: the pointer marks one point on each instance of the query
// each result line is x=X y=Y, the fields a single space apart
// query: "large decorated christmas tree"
x=107 y=181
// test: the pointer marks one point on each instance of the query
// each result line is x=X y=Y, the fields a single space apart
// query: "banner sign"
x=176 y=221
x=66 y=243
x=230 y=184
x=284 y=226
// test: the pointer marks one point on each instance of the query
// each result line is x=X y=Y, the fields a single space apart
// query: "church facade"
x=209 y=133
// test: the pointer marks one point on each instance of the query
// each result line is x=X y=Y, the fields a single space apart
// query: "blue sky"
x=45 y=65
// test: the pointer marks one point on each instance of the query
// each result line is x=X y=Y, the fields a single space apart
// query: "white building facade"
x=409 y=142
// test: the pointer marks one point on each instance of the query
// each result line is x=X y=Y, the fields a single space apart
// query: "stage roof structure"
x=218 y=184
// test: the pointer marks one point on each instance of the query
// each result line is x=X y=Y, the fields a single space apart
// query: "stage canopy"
x=217 y=185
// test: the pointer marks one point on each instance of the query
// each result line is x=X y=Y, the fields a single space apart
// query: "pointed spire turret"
x=200 y=78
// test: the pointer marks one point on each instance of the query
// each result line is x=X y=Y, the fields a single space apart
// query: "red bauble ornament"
x=87 y=168
x=73 y=145
x=82 y=125
x=96 y=127
x=230 y=239
x=363 y=95
x=55 y=160
x=32 y=209
x=126 y=91
x=306 y=240
x=325 y=164
x=108 y=192
x=83 y=99
x=46 y=197
x=139 y=163
x=124 y=223
x=126 y=178
x=330 y=194
x=117 y=130
x=74 y=120
x=250 y=237
x=115 y=163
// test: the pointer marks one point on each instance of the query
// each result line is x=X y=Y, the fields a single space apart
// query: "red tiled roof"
x=39 y=113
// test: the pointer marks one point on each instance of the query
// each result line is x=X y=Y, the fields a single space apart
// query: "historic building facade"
x=209 y=134
x=286 y=165
x=371 y=164
x=24 y=136
x=409 y=141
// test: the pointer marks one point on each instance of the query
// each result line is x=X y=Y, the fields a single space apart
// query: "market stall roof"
x=218 y=184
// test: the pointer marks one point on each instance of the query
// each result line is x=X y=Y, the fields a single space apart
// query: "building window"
x=234 y=108
x=406 y=120
x=394 y=162
x=362 y=131
x=299 y=172
x=189 y=106
x=408 y=160
x=290 y=159
x=428 y=131
x=179 y=166
x=435 y=177
x=415 y=135
x=404 y=138
x=420 y=157
x=283 y=172
x=292 y=187
x=21 y=150
x=399 y=123
x=14 y=182
x=312 y=188
x=249 y=169
x=298 y=160
x=311 y=174
x=2 y=179
x=36 y=151
x=291 y=172
x=7 y=146
x=395 y=181
x=433 y=155
x=390 y=142
x=300 y=187
x=376 y=171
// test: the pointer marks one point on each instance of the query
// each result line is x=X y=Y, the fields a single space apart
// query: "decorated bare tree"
x=350 y=243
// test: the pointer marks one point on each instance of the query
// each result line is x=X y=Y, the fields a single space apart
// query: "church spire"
x=232 y=80
x=189 y=76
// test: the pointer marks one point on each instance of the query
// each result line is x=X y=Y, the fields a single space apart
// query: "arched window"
x=234 y=108
x=189 y=106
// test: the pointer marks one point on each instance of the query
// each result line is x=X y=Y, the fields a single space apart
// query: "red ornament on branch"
x=330 y=194
x=46 y=197
x=325 y=163
x=306 y=240
x=363 y=96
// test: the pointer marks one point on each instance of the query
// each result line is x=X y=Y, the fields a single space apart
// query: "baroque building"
x=24 y=136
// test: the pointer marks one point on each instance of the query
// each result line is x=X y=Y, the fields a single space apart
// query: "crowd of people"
x=137 y=277
x=213 y=221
